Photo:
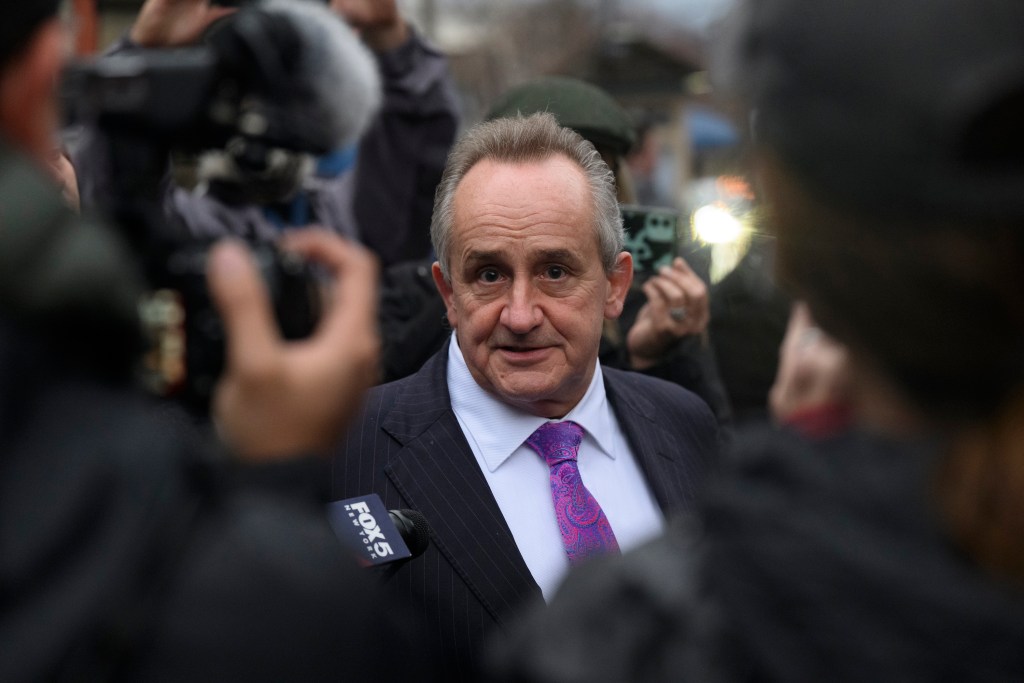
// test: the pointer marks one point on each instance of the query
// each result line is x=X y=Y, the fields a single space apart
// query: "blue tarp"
x=709 y=129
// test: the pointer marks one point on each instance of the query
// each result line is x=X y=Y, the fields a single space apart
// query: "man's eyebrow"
x=488 y=256
x=497 y=255
x=559 y=255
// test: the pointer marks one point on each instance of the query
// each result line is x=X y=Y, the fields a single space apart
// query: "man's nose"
x=521 y=312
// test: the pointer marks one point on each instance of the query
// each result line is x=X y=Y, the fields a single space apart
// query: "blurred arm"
x=402 y=155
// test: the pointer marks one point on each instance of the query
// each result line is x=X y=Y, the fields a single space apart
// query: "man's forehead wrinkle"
x=527 y=209
x=476 y=254
x=484 y=230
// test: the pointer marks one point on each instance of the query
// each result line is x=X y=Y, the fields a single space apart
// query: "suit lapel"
x=437 y=473
x=656 y=449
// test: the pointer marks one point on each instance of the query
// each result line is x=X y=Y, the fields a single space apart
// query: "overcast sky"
x=695 y=13
x=450 y=15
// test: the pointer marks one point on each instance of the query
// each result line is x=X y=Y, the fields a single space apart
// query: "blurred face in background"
x=28 y=92
x=528 y=294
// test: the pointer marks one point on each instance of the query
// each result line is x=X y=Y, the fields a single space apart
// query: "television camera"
x=224 y=94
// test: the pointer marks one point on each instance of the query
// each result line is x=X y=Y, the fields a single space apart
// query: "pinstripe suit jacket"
x=407 y=446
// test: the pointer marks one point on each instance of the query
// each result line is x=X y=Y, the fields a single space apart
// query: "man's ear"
x=445 y=289
x=619 y=281
x=28 y=92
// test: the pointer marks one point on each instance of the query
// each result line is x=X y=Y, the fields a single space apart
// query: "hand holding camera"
x=274 y=81
x=279 y=397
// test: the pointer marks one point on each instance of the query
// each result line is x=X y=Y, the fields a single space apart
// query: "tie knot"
x=556 y=442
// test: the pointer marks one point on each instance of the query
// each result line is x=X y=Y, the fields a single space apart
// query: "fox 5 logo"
x=377 y=545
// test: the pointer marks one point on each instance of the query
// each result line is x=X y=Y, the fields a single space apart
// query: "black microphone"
x=379 y=536
x=414 y=529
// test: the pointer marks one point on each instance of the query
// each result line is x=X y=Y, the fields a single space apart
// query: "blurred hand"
x=277 y=398
x=813 y=369
x=173 y=23
x=378 y=22
x=677 y=306
x=64 y=173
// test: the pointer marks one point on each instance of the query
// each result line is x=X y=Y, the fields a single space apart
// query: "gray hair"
x=521 y=139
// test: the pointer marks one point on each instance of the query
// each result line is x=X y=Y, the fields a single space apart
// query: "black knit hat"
x=902 y=108
x=20 y=20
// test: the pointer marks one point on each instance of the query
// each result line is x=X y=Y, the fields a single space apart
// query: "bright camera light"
x=714 y=224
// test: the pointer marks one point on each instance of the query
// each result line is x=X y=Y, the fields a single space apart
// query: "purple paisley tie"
x=585 y=529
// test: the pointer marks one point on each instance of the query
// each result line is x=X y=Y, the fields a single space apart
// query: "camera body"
x=186 y=355
x=150 y=104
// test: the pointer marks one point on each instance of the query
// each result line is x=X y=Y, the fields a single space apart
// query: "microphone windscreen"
x=413 y=527
x=334 y=85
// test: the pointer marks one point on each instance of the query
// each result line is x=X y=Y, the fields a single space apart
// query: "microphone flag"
x=364 y=525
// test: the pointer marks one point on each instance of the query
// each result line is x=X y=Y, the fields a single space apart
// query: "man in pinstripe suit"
x=530 y=265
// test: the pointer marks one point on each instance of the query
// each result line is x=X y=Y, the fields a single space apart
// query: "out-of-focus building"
x=650 y=70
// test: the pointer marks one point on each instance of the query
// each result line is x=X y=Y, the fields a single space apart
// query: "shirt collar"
x=498 y=429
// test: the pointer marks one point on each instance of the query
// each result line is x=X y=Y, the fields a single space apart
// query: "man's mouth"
x=523 y=353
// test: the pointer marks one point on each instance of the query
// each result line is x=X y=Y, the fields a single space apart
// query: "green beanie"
x=585 y=108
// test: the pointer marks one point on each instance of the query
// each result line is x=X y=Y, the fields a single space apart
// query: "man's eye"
x=555 y=272
x=489 y=275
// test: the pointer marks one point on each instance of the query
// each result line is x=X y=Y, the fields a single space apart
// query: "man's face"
x=528 y=293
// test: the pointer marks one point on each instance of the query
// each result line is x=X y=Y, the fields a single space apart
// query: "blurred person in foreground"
x=889 y=149
x=525 y=454
x=130 y=549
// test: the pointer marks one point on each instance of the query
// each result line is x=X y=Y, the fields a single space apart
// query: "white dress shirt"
x=519 y=477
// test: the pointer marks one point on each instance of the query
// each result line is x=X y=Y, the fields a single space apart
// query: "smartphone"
x=652 y=237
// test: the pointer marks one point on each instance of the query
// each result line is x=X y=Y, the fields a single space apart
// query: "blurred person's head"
x=529 y=242
x=31 y=57
x=891 y=156
x=586 y=109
